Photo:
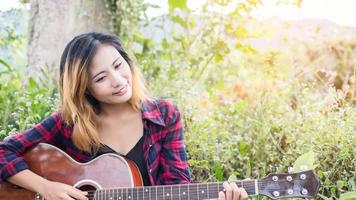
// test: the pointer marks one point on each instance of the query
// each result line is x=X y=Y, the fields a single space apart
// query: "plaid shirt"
x=163 y=146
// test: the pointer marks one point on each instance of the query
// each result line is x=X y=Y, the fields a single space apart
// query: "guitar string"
x=210 y=191
x=248 y=185
x=251 y=186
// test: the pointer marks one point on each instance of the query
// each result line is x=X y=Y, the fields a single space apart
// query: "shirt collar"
x=151 y=112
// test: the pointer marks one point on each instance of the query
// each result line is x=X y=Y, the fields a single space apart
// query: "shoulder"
x=166 y=106
x=165 y=109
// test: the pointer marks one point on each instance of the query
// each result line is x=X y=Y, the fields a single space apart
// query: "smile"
x=121 y=91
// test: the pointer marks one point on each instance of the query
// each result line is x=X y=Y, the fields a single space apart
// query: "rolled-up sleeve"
x=13 y=148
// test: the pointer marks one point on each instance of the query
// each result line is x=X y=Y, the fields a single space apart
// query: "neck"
x=174 y=192
x=117 y=110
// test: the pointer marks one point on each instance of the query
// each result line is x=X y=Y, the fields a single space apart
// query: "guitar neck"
x=194 y=191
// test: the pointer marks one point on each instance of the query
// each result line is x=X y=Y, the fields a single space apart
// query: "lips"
x=121 y=91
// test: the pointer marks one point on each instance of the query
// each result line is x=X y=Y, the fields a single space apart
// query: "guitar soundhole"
x=87 y=188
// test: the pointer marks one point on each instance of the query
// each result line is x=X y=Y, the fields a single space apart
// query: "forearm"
x=28 y=180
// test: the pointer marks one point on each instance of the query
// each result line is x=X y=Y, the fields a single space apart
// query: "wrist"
x=41 y=186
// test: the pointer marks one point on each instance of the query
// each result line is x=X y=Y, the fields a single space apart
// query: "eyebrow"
x=104 y=71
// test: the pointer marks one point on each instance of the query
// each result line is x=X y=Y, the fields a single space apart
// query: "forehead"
x=104 y=57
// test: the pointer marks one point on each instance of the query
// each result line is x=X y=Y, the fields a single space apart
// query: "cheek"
x=98 y=90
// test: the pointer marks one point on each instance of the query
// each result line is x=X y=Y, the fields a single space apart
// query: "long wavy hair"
x=78 y=108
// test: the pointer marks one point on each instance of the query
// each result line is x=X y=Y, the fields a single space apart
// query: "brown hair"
x=78 y=108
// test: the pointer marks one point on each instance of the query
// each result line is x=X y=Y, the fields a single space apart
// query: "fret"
x=96 y=195
x=202 y=191
x=130 y=197
x=146 y=193
x=134 y=193
x=124 y=194
x=152 y=193
x=120 y=197
x=214 y=190
x=188 y=192
x=193 y=192
x=158 y=192
x=218 y=187
x=179 y=191
x=183 y=191
x=198 y=190
x=115 y=194
x=207 y=190
x=171 y=193
x=140 y=193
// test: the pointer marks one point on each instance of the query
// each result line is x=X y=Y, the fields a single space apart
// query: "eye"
x=117 y=66
x=100 y=79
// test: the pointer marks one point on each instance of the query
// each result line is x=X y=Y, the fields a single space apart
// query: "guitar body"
x=105 y=171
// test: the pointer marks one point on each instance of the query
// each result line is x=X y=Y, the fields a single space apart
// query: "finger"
x=235 y=191
x=228 y=190
x=77 y=194
x=243 y=194
x=66 y=197
x=221 y=196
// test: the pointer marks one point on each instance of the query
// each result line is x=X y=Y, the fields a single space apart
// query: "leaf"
x=218 y=170
x=304 y=162
x=9 y=69
x=232 y=178
x=348 y=196
x=172 y=4
x=246 y=48
x=32 y=84
x=164 y=43
x=351 y=183
x=244 y=148
x=178 y=20
x=340 y=184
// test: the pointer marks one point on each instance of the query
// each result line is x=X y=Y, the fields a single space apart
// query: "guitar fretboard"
x=171 y=192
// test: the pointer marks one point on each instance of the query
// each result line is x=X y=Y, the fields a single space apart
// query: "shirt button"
x=150 y=170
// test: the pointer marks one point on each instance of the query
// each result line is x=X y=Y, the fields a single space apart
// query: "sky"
x=342 y=12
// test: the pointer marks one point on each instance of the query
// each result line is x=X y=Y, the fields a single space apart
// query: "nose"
x=118 y=80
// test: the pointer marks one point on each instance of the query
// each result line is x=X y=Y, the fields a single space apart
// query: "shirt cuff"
x=12 y=168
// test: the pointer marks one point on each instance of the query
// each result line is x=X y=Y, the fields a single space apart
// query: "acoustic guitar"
x=112 y=177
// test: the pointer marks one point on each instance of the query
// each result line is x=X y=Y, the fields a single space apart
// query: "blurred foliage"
x=248 y=111
x=13 y=37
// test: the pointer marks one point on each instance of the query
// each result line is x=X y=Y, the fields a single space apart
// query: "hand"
x=232 y=192
x=60 y=191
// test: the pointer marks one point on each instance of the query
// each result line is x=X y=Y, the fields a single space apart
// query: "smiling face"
x=110 y=78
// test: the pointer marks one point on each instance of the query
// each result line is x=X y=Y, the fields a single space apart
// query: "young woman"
x=105 y=107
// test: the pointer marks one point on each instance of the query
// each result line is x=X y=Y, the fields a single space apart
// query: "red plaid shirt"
x=163 y=146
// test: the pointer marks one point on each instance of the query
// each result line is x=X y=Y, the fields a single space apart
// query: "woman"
x=105 y=107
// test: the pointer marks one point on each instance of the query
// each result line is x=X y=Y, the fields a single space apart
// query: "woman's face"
x=110 y=78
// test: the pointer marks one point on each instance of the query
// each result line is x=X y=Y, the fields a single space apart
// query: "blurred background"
x=263 y=85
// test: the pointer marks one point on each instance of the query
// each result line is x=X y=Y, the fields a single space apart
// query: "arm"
x=12 y=149
x=14 y=168
x=49 y=189
x=173 y=159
